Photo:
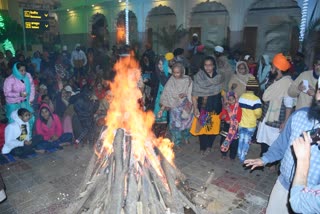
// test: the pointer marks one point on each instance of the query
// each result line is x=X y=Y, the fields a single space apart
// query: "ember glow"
x=125 y=112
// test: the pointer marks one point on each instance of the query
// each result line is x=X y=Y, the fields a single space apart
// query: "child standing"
x=231 y=114
x=251 y=111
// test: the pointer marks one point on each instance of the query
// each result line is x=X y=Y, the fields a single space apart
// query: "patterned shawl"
x=275 y=94
x=204 y=86
x=170 y=95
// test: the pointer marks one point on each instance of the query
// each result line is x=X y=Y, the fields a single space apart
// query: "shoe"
x=3 y=195
x=202 y=152
x=76 y=143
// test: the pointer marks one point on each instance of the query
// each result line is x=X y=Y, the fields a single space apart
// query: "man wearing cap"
x=218 y=51
x=300 y=121
x=303 y=88
x=78 y=61
x=192 y=48
x=277 y=103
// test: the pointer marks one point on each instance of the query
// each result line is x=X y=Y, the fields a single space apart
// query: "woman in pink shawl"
x=176 y=97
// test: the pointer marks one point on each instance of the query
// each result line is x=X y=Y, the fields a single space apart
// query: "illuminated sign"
x=35 y=14
x=36 y=19
x=43 y=25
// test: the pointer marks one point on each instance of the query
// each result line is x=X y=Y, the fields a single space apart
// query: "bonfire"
x=132 y=171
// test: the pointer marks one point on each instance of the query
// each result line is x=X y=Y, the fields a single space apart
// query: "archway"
x=160 y=19
x=272 y=27
x=210 y=20
x=121 y=28
x=99 y=30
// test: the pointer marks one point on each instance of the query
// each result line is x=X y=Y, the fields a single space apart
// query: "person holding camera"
x=299 y=122
x=304 y=198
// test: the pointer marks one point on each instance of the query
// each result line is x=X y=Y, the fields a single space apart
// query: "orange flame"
x=126 y=112
x=121 y=34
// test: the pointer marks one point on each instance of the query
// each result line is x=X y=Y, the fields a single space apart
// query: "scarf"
x=170 y=95
x=242 y=78
x=16 y=73
x=234 y=123
x=204 y=86
x=275 y=94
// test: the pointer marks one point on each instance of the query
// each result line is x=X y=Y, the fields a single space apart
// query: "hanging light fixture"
x=303 y=24
x=127 y=21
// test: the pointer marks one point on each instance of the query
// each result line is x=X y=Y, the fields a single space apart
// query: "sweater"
x=251 y=110
x=224 y=112
x=304 y=100
x=13 y=133
x=281 y=149
x=45 y=131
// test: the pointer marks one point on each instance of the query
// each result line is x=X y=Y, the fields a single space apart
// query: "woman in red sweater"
x=231 y=114
x=49 y=127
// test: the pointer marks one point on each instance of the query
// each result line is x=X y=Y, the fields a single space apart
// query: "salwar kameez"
x=180 y=122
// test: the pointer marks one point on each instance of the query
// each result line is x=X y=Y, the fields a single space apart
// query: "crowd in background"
x=53 y=99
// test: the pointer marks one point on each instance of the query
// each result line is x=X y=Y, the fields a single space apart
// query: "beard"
x=272 y=75
x=314 y=111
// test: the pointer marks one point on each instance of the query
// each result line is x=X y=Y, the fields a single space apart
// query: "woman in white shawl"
x=176 y=97
x=238 y=81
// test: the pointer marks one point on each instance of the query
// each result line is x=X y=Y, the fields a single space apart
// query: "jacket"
x=304 y=100
x=13 y=87
x=83 y=106
x=251 y=110
x=45 y=131
x=13 y=133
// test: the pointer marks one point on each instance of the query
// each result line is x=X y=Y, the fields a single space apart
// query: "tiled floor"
x=47 y=183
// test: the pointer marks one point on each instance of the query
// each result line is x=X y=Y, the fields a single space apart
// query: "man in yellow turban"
x=170 y=58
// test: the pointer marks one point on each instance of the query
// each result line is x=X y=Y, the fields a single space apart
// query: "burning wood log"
x=133 y=173
x=121 y=184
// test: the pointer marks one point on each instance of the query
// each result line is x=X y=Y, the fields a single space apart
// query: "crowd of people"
x=55 y=99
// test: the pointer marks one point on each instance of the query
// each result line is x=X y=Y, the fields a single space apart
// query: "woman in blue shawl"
x=19 y=91
x=162 y=76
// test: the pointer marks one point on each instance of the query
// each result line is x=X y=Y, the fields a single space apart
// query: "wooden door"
x=250 y=40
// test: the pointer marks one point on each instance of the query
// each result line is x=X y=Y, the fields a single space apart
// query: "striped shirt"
x=251 y=109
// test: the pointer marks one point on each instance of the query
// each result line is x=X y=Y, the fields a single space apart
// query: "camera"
x=314 y=135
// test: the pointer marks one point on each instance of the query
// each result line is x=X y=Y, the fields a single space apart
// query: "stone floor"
x=47 y=183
